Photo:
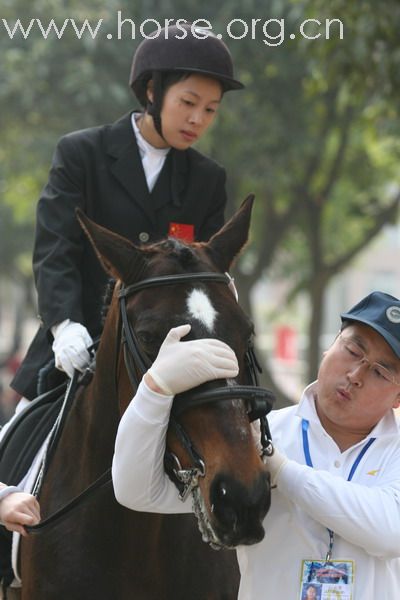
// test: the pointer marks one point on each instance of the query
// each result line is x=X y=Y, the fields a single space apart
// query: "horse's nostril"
x=222 y=505
x=228 y=518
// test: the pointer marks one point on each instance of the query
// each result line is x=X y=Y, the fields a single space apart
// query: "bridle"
x=258 y=400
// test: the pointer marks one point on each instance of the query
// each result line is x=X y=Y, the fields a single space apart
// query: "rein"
x=258 y=400
x=103 y=481
x=78 y=379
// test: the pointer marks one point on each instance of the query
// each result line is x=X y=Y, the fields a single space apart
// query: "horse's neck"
x=95 y=413
x=89 y=433
x=103 y=388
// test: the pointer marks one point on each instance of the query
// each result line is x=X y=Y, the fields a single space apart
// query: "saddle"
x=18 y=449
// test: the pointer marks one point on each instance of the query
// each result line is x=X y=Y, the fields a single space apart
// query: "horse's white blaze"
x=200 y=308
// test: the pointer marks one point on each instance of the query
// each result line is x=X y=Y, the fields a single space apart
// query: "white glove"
x=275 y=464
x=256 y=433
x=181 y=366
x=71 y=341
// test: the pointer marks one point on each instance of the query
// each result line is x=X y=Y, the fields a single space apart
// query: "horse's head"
x=211 y=448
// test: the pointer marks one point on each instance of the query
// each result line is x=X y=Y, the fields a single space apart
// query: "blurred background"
x=315 y=135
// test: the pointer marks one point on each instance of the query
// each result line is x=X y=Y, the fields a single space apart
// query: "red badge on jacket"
x=182 y=231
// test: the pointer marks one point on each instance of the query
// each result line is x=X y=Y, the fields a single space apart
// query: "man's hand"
x=181 y=366
x=275 y=464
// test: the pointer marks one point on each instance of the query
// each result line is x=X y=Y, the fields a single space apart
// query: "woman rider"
x=139 y=177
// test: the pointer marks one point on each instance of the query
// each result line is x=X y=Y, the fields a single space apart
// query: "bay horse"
x=101 y=550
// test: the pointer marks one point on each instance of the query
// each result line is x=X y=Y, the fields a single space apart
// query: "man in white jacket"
x=335 y=515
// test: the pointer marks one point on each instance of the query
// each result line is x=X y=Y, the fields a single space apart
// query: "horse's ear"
x=226 y=244
x=119 y=257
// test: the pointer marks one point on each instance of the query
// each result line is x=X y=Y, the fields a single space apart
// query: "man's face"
x=350 y=395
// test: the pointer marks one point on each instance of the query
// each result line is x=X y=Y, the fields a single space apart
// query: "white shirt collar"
x=144 y=146
x=153 y=159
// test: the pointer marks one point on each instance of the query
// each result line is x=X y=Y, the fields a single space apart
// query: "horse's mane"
x=183 y=255
x=108 y=294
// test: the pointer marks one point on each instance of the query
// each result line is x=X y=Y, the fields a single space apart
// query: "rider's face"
x=188 y=109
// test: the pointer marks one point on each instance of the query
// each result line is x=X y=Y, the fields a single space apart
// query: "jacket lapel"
x=172 y=181
x=179 y=176
x=127 y=166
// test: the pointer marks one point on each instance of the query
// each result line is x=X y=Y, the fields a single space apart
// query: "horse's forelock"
x=182 y=254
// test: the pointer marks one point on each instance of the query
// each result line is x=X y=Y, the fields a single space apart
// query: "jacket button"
x=144 y=236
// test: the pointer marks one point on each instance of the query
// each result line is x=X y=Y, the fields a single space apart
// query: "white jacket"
x=363 y=513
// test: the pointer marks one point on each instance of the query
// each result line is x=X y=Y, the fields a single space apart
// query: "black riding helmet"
x=175 y=50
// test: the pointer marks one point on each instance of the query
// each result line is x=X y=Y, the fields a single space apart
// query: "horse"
x=100 y=549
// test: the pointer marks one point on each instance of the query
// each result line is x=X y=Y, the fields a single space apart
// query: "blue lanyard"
x=307 y=456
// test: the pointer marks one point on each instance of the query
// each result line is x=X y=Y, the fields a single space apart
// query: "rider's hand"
x=70 y=346
x=18 y=509
x=181 y=366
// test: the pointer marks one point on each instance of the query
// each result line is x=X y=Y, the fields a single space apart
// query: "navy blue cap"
x=381 y=312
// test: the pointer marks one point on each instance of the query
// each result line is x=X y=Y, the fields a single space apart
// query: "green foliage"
x=314 y=135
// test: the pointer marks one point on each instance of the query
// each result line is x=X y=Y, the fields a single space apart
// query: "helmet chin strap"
x=154 y=108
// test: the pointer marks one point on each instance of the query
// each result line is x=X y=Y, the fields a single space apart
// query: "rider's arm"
x=58 y=255
x=17 y=509
x=59 y=240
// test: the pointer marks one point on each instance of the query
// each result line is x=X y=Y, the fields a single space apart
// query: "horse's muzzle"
x=238 y=511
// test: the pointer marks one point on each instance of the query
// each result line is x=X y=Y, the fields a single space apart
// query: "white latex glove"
x=181 y=366
x=256 y=433
x=71 y=341
x=275 y=464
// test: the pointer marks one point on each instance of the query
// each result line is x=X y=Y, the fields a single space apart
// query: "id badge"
x=327 y=580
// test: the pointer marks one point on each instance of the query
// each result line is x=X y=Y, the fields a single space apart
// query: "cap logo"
x=393 y=314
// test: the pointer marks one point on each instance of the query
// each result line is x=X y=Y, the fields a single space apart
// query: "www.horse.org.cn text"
x=271 y=31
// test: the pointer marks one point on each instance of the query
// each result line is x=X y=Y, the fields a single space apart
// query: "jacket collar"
x=127 y=167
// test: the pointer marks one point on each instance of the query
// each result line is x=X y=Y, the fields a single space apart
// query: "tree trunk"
x=316 y=301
